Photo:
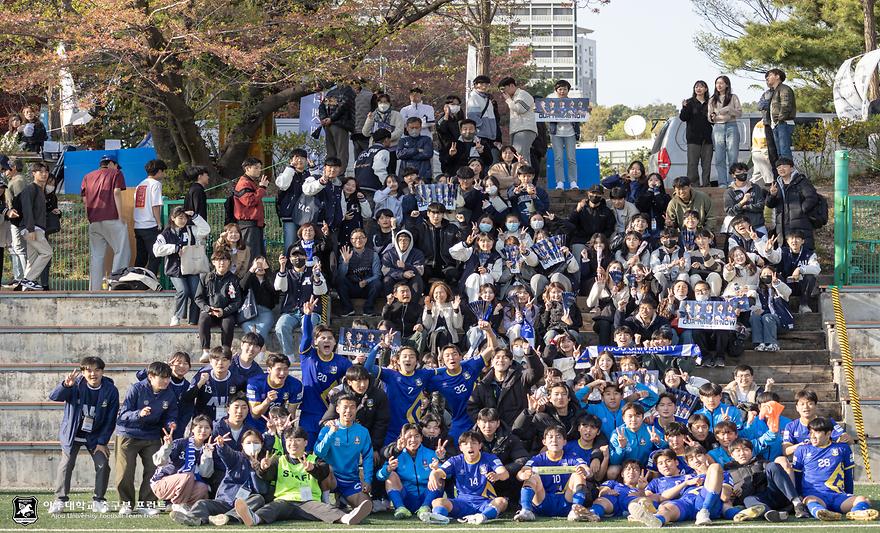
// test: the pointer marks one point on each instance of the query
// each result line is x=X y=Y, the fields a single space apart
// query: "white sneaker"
x=804 y=309
x=100 y=507
x=475 y=519
x=148 y=511
x=175 y=321
x=179 y=507
x=761 y=347
x=703 y=518
x=560 y=186
x=218 y=519
x=357 y=515
x=573 y=186
x=125 y=510
x=524 y=515
x=206 y=356
x=57 y=507
x=773 y=348
x=438 y=519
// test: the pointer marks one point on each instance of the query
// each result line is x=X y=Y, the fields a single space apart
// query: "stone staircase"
x=46 y=334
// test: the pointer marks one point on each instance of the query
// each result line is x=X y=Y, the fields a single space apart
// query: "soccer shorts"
x=468 y=505
x=348 y=488
x=833 y=500
x=553 y=505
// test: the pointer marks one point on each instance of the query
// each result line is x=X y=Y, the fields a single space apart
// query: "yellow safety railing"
x=846 y=357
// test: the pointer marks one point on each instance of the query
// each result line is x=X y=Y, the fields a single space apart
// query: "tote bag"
x=194 y=260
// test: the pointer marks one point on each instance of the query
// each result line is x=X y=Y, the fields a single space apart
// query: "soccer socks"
x=814 y=507
x=733 y=511
x=711 y=499
x=526 y=498
x=661 y=518
x=396 y=498
x=598 y=510
x=861 y=506
x=578 y=498
x=443 y=511
x=490 y=513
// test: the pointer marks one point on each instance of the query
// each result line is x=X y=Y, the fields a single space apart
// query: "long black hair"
x=699 y=82
x=727 y=94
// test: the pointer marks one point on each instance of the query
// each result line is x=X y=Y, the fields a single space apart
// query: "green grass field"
x=84 y=521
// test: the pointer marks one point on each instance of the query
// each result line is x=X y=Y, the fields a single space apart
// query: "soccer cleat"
x=57 y=507
x=402 y=513
x=828 y=516
x=775 y=516
x=639 y=513
x=591 y=516
x=219 y=519
x=357 y=515
x=125 y=510
x=248 y=517
x=424 y=513
x=800 y=511
x=750 y=513
x=100 y=507
x=185 y=518
x=703 y=518
x=475 y=519
x=865 y=515
x=438 y=519
x=578 y=513
x=524 y=515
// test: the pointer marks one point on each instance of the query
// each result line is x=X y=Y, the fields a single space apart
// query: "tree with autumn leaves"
x=176 y=58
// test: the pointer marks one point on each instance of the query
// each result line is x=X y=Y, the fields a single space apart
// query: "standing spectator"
x=564 y=138
x=364 y=102
x=53 y=223
x=17 y=183
x=196 y=200
x=793 y=197
x=523 y=126
x=415 y=149
x=783 y=110
x=181 y=231
x=419 y=110
x=148 y=214
x=698 y=134
x=33 y=226
x=337 y=117
x=687 y=199
x=447 y=129
x=290 y=183
x=724 y=110
x=390 y=120
x=248 y=199
x=33 y=132
x=483 y=110
x=6 y=212
x=102 y=194
x=219 y=298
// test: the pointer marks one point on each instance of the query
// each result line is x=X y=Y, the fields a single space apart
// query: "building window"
x=564 y=53
x=541 y=54
x=562 y=11
x=540 y=11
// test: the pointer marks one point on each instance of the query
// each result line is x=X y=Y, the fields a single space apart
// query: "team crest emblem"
x=104 y=403
x=357 y=440
x=369 y=402
x=231 y=390
x=484 y=470
x=333 y=369
x=467 y=375
x=24 y=510
x=835 y=452
x=165 y=405
x=336 y=442
x=286 y=396
x=642 y=442
x=419 y=382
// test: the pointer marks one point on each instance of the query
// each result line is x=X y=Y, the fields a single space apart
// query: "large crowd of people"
x=480 y=393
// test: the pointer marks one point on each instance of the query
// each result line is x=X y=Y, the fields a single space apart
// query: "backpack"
x=819 y=215
x=229 y=209
x=133 y=279
x=16 y=204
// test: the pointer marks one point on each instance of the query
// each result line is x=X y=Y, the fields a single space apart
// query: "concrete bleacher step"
x=105 y=308
x=25 y=421
x=36 y=463
x=859 y=304
x=863 y=338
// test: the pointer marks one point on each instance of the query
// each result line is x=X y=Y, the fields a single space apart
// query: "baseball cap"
x=110 y=157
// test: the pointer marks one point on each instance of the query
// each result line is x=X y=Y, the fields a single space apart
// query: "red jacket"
x=248 y=199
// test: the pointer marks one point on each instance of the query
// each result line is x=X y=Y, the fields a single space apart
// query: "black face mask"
x=767 y=280
x=299 y=262
x=669 y=243
x=595 y=199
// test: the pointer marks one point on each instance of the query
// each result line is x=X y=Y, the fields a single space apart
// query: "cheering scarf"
x=681 y=350
x=309 y=248
x=191 y=456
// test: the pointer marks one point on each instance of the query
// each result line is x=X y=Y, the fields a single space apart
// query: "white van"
x=669 y=153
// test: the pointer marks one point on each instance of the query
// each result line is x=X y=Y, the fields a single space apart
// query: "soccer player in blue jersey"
x=590 y=445
x=714 y=410
x=457 y=379
x=322 y=369
x=554 y=493
x=475 y=472
x=797 y=432
x=824 y=475
x=276 y=387
x=608 y=411
x=676 y=436
x=632 y=440
x=344 y=445
x=406 y=474
x=726 y=433
x=615 y=497
x=215 y=385
x=700 y=497
x=405 y=384
x=244 y=363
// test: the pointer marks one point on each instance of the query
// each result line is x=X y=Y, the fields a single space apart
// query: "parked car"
x=669 y=153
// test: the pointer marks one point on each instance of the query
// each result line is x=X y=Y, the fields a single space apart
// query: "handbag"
x=248 y=309
x=194 y=260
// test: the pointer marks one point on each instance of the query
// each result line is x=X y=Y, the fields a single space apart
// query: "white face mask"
x=50 y=188
x=517 y=351
x=702 y=297
x=537 y=224
x=383 y=107
x=491 y=190
x=454 y=108
x=252 y=448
